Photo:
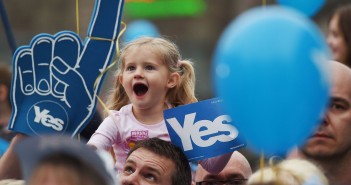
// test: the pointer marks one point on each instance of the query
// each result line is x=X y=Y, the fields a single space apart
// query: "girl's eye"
x=149 y=67
x=130 y=68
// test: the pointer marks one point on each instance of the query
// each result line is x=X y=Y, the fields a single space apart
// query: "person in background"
x=158 y=162
x=289 y=172
x=59 y=160
x=339 y=35
x=5 y=103
x=236 y=172
x=329 y=147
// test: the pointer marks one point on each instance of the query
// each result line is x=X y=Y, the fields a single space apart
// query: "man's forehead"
x=237 y=167
x=238 y=164
x=341 y=81
x=150 y=159
x=338 y=69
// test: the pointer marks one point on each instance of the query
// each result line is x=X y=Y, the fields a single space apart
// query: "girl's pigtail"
x=184 y=92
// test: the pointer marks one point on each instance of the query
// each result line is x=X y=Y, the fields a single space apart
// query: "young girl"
x=151 y=77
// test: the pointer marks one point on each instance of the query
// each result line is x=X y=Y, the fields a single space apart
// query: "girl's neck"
x=150 y=116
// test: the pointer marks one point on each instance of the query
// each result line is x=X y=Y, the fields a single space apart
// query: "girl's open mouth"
x=140 y=89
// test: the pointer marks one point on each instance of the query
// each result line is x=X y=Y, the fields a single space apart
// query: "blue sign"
x=203 y=129
x=56 y=78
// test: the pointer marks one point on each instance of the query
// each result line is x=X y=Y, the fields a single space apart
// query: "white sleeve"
x=106 y=135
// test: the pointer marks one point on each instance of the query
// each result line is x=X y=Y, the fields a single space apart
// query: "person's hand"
x=53 y=82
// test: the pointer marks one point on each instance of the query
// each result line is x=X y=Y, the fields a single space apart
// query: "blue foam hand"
x=53 y=81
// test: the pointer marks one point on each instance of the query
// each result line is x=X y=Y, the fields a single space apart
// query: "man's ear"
x=173 y=80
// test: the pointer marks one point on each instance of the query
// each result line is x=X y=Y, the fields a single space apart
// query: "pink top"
x=121 y=130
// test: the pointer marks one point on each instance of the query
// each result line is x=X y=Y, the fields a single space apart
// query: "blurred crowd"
x=101 y=156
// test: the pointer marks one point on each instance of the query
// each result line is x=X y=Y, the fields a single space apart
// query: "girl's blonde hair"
x=289 y=172
x=182 y=93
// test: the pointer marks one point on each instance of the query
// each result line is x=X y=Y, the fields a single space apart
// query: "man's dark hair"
x=182 y=172
x=82 y=171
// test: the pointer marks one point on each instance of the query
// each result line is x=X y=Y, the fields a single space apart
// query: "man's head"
x=154 y=161
x=237 y=168
x=332 y=139
x=59 y=159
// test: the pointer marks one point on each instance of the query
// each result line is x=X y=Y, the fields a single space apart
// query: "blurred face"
x=336 y=40
x=47 y=174
x=144 y=167
x=145 y=78
x=236 y=171
x=5 y=106
x=332 y=139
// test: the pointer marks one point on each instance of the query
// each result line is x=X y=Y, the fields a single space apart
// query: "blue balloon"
x=269 y=67
x=308 y=7
x=140 y=28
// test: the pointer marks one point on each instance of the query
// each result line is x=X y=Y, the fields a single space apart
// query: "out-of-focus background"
x=195 y=32
x=194 y=25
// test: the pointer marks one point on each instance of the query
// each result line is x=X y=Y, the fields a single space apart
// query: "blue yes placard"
x=203 y=129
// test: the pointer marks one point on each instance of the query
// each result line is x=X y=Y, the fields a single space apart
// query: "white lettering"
x=39 y=115
x=47 y=120
x=197 y=135
x=184 y=132
x=218 y=130
x=233 y=132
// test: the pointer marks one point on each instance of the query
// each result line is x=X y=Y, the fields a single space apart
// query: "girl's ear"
x=173 y=80
x=120 y=78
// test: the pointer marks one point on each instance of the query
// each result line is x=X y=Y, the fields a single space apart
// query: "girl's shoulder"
x=127 y=109
x=121 y=114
